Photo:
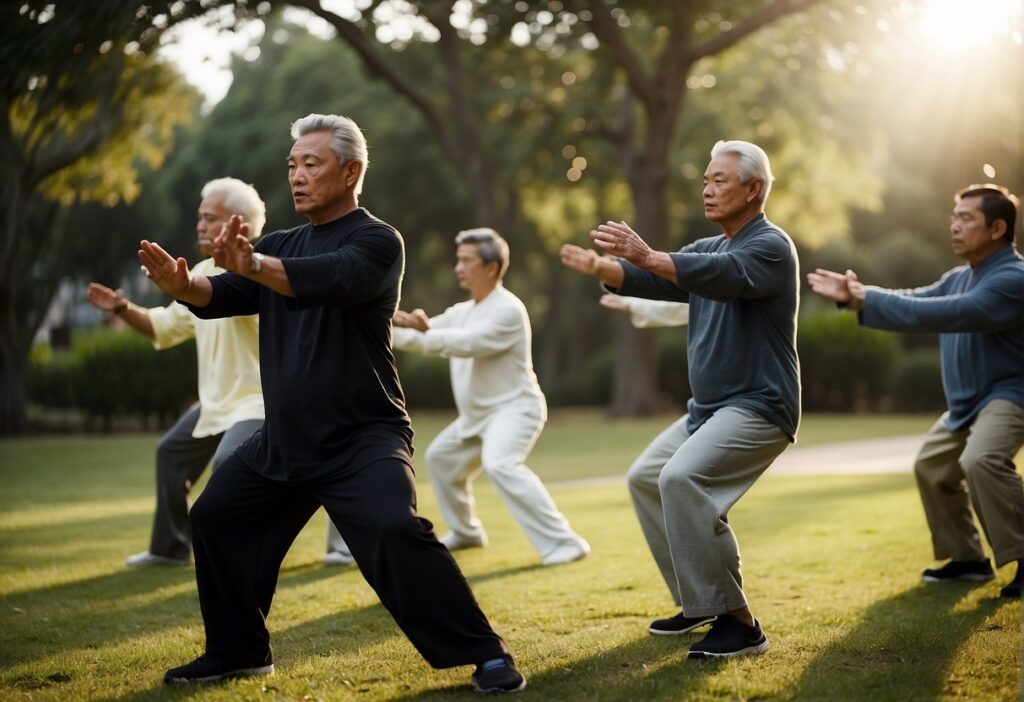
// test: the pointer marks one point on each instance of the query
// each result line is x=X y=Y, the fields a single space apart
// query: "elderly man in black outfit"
x=336 y=432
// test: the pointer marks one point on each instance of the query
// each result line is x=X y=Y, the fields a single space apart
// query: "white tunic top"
x=228 y=355
x=489 y=344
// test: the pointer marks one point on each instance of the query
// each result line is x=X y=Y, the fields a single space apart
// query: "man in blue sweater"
x=743 y=291
x=967 y=458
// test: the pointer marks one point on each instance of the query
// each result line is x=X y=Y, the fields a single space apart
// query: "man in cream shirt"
x=501 y=407
x=230 y=406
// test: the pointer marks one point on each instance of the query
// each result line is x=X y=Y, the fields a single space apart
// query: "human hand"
x=615 y=302
x=618 y=239
x=167 y=273
x=844 y=288
x=578 y=259
x=232 y=249
x=417 y=319
x=103 y=298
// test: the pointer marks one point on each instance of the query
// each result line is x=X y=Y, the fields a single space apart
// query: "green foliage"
x=425 y=381
x=843 y=366
x=108 y=374
x=587 y=384
x=917 y=382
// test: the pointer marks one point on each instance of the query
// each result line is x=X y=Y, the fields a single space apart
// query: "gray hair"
x=491 y=246
x=240 y=198
x=752 y=161
x=347 y=141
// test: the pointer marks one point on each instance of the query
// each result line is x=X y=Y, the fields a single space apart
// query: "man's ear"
x=757 y=185
x=353 y=169
x=998 y=229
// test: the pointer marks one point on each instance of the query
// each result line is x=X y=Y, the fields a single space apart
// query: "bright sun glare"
x=958 y=24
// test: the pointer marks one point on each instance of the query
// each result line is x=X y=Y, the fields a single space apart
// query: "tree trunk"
x=12 y=365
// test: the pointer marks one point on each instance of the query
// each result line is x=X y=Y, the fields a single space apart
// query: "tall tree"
x=83 y=103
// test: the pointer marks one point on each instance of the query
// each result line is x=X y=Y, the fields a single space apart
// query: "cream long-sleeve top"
x=488 y=344
x=228 y=356
x=657 y=313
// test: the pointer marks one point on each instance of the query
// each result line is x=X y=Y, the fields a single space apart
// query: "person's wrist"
x=256 y=262
x=120 y=306
x=595 y=266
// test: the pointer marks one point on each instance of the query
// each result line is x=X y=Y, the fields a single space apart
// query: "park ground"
x=832 y=558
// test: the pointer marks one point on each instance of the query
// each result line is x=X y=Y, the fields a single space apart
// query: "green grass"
x=832 y=566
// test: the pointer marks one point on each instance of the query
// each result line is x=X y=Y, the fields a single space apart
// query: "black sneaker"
x=729 y=637
x=209 y=668
x=498 y=675
x=1012 y=588
x=673 y=626
x=964 y=571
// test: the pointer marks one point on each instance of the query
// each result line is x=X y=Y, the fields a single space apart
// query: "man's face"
x=972 y=239
x=724 y=196
x=212 y=217
x=470 y=270
x=317 y=179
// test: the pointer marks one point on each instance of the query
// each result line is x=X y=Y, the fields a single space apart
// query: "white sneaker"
x=338 y=558
x=567 y=553
x=455 y=542
x=146 y=559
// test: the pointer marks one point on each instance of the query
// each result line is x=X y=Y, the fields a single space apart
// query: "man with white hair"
x=230 y=406
x=336 y=435
x=743 y=291
x=501 y=407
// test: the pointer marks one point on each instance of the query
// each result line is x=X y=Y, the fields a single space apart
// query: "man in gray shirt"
x=967 y=459
x=742 y=287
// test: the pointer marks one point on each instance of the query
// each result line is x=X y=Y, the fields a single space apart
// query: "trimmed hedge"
x=108 y=374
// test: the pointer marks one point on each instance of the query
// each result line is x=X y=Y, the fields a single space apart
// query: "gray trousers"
x=180 y=460
x=683 y=486
x=973 y=467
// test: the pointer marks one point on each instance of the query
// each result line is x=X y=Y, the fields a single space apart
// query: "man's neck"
x=734 y=225
x=334 y=212
x=482 y=293
x=979 y=257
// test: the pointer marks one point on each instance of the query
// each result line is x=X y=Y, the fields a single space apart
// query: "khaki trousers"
x=973 y=467
x=683 y=486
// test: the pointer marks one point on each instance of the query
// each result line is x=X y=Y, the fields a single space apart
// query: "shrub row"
x=844 y=367
x=107 y=374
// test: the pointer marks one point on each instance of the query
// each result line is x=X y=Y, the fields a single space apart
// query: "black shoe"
x=729 y=637
x=1012 y=588
x=498 y=675
x=673 y=626
x=964 y=571
x=209 y=668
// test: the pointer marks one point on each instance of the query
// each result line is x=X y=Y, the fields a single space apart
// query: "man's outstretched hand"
x=167 y=273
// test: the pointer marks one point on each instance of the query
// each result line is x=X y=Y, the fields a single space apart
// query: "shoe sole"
x=240 y=673
x=679 y=632
x=498 y=690
x=966 y=578
x=749 y=651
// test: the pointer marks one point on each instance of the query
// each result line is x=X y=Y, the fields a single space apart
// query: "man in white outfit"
x=501 y=407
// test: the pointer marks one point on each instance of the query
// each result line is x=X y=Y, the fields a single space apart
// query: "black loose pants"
x=244 y=523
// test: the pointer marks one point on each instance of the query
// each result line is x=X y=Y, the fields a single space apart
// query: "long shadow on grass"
x=901 y=649
x=95 y=611
x=648 y=668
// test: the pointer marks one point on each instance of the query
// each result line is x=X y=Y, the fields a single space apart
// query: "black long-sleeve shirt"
x=330 y=384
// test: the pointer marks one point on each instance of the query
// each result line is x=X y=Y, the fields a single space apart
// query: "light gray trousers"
x=180 y=459
x=973 y=467
x=454 y=462
x=683 y=486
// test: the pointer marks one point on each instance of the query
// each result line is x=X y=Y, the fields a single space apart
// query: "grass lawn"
x=832 y=566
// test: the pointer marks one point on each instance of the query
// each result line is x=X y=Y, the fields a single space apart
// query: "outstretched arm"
x=233 y=251
x=115 y=303
x=589 y=262
x=619 y=239
x=171 y=275
x=842 y=288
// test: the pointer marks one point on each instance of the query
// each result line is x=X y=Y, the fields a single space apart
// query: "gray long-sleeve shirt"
x=743 y=294
x=979 y=314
